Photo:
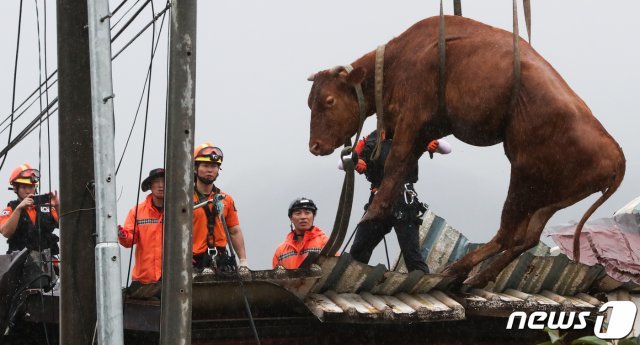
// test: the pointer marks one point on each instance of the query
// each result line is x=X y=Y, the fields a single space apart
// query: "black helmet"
x=302 y=203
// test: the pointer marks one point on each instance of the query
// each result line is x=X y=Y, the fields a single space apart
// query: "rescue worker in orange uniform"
x=29 y=221
x=304 y=237
x=143 y=228
x=209 y=235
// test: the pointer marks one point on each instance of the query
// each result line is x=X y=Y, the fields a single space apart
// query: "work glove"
x=243 y=270
x=360 y=145
x=361 y=166
x=243 y=263
x=432 y=146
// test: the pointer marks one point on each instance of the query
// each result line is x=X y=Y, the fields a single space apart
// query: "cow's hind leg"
x=524 y=198
x=524 y=240
x=514 y=216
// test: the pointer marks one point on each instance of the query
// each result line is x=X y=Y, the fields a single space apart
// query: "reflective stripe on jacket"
x=291 y=253
x=148 y=266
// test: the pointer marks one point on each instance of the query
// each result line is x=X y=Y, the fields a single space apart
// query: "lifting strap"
x=515 y=88
x=442 y=105
x=378 y=84
x=457 y=7
x=527 y=16
x=346 y=195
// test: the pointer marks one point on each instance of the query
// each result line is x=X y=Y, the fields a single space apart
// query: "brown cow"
x=559 y=152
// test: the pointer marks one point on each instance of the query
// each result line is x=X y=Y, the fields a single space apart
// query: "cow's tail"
x=617 y=180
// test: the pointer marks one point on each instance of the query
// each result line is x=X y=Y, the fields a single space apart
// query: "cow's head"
x=334 y=108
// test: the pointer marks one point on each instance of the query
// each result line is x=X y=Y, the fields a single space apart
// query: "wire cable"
x=147 y=85
x=15 y=73
x=39 y=209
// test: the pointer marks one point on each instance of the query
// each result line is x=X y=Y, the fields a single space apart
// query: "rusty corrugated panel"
x=487 y=303
x=370 y=308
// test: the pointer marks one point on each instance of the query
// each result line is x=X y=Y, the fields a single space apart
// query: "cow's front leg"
x=401 y=160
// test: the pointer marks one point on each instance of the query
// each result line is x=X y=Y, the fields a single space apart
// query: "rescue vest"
x=375 y=168
x=27 y=234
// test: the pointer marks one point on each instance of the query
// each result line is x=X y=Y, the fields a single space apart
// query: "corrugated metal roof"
x=349 y=291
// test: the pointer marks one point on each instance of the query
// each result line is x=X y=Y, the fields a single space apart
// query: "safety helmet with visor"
x=24 y=174
x=206 y=152
x=302 y=204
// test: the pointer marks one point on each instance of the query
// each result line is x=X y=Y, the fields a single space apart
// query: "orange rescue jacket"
x=148 y=241
x=200 y=230
x=291 y=253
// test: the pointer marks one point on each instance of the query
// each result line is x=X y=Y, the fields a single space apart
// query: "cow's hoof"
x=477 y=280
x=451 y=271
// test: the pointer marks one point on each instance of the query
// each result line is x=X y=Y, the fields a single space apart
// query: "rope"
x=237 y=274
x=386 y=251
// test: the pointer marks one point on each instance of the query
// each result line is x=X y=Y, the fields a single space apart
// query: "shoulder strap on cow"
x=457 y=8
x=362 y=105
x=527 y=16
x=515 y=88
x=379 y=82
x=442 y=106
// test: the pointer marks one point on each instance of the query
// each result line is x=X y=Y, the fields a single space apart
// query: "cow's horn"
x=311 y=77
x=335 y=70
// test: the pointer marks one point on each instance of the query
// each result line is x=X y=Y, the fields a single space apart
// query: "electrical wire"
x=147 y=85
x=15 y=73
x=39 y=209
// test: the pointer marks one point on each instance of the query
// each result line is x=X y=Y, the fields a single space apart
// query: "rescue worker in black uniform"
x=28 y=222
x=407 y=209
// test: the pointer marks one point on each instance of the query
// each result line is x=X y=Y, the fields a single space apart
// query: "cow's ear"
x=356 y=76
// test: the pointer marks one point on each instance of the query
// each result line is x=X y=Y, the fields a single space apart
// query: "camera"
x=41 y=199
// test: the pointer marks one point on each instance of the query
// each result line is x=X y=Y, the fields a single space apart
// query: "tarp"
x=633 y=207
x=611 y=242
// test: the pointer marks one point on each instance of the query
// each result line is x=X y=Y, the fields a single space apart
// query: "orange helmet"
x=206 y=152
x=25 y=174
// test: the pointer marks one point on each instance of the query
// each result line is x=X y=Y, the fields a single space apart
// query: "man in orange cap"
x=144 y=228
x=209 y=233
x=29 y=221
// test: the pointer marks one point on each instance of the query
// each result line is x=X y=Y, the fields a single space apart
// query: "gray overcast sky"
x=253 y=58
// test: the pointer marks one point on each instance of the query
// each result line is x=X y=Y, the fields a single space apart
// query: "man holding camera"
x=29 y=221
x=210 y=228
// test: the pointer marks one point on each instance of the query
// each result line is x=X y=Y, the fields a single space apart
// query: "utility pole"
x=107 y=252
x=175 y=319
x=77 y=225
